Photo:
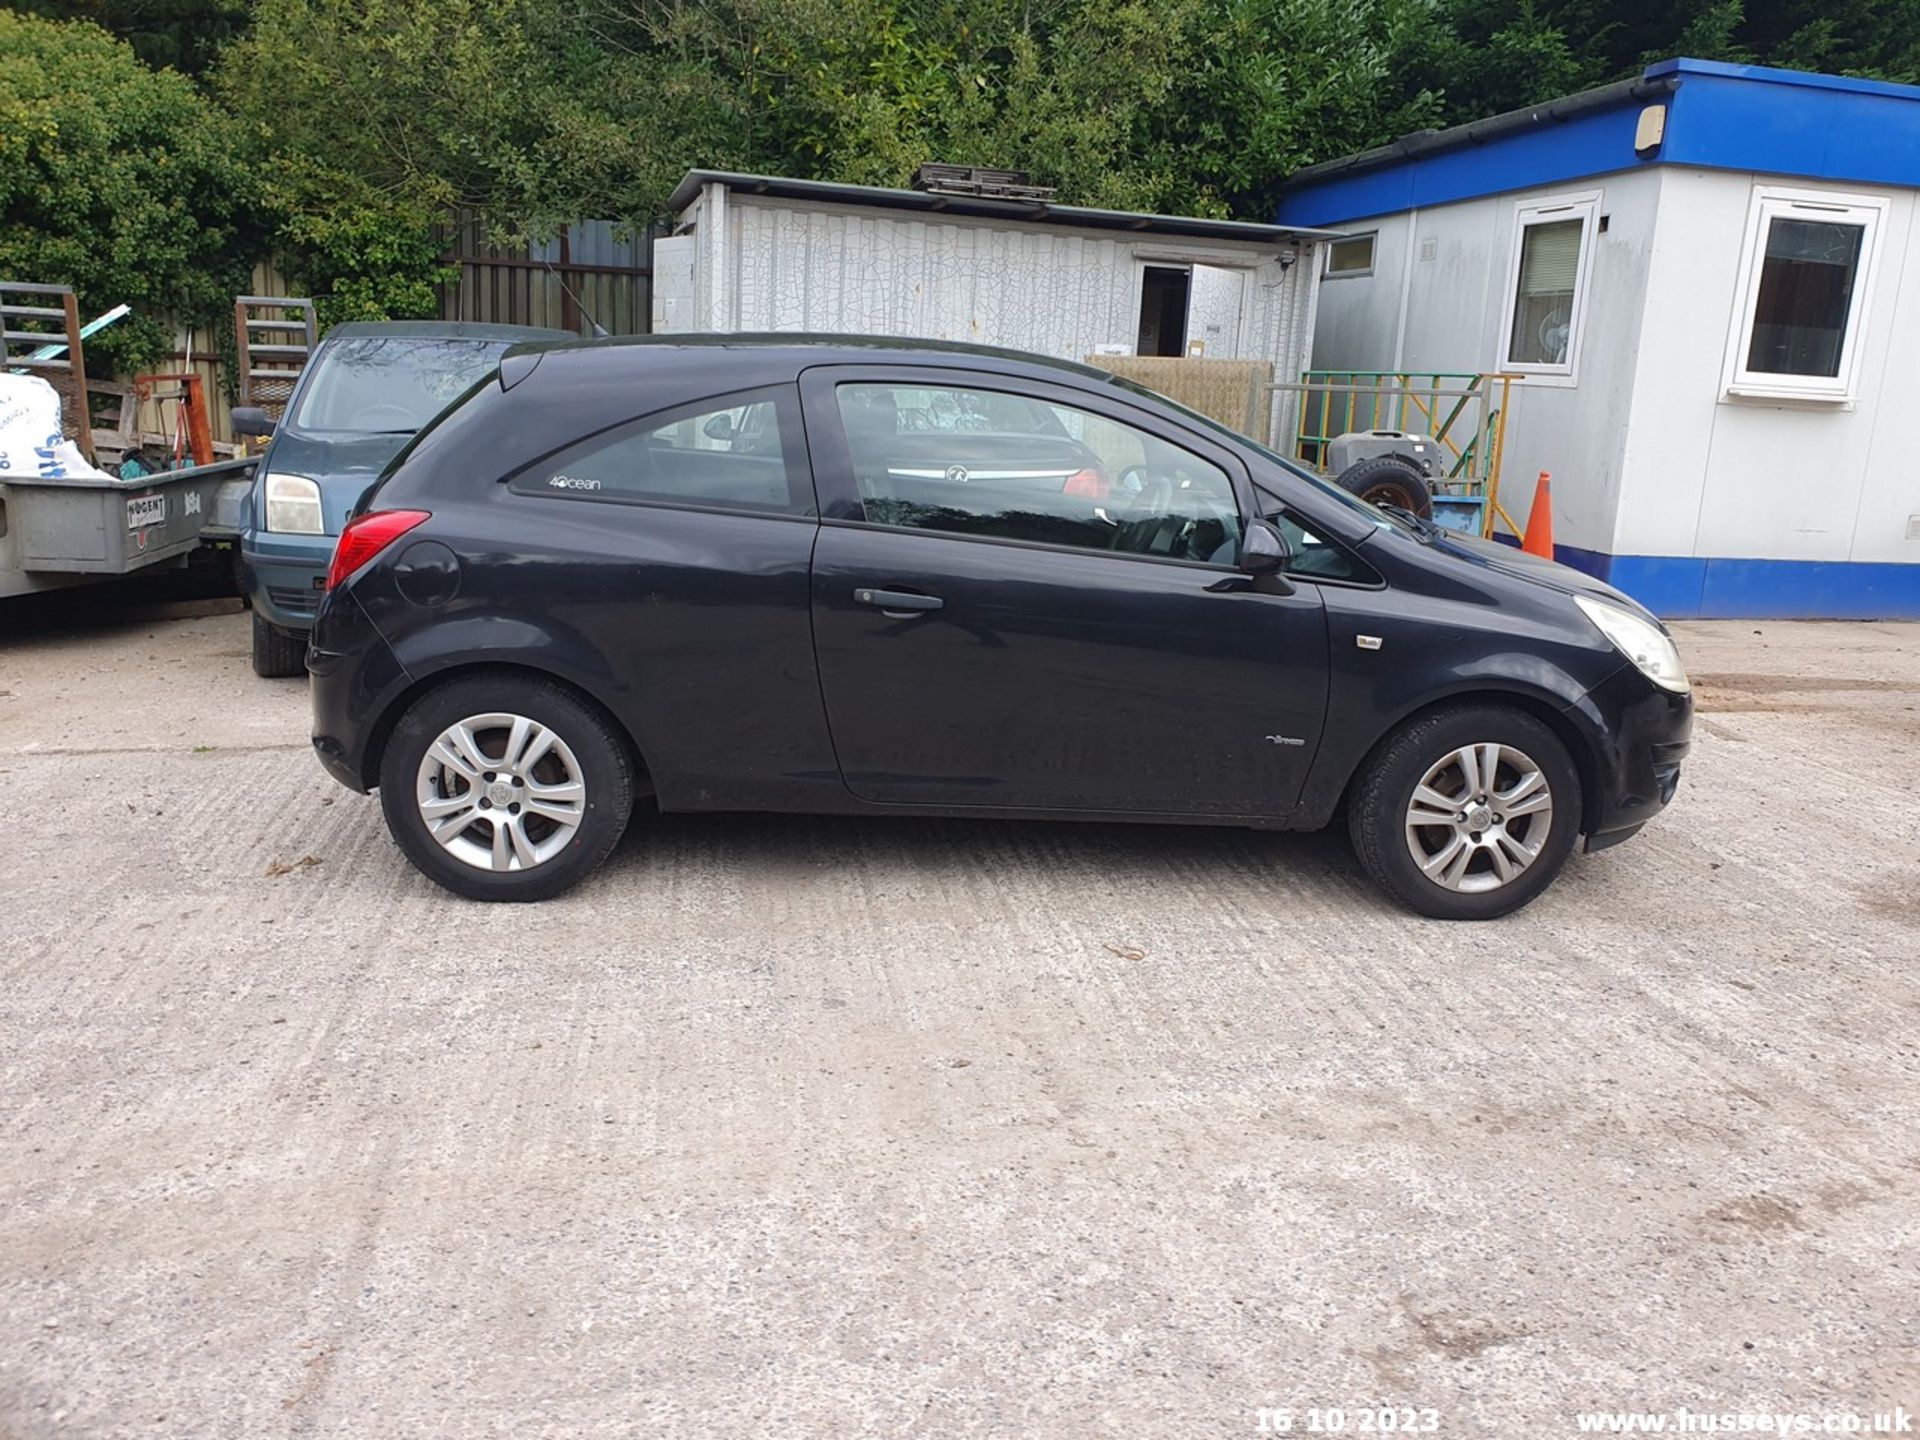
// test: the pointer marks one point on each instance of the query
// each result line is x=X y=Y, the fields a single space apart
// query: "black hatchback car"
x=900 y=577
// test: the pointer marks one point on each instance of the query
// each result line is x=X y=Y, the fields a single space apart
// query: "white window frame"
x=1372 y=237
x=1583 y=206
x=1771 y=202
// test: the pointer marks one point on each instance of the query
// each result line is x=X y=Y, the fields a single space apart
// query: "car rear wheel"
x=504 y=787
x=277 y=653
x=1467 y=813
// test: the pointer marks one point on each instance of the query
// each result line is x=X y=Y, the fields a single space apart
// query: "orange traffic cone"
x=1539 y=537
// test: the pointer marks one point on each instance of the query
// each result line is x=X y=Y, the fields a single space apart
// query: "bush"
x=123 y=182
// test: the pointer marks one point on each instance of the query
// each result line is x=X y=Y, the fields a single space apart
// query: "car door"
x=1047 y=615
x=673 y=550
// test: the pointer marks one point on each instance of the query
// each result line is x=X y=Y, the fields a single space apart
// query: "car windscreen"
x=390 y=384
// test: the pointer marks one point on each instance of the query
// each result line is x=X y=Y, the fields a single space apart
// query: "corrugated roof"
x=976 y=207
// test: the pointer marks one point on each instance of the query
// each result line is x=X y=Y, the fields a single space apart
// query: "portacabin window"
x=1804 y=278
x=1349 y=256
x=1547 y=290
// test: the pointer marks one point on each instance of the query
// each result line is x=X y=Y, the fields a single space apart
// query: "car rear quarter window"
x=731 y=452
x=996 y=465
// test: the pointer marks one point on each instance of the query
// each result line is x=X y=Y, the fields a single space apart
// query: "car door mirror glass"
x=720 y=427
x=1264 y=550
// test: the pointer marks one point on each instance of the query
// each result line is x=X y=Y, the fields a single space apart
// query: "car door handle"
x=900 y=604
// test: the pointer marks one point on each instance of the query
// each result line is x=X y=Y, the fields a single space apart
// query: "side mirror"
x=720 y=427
x=1264 y=550
x=251 y=420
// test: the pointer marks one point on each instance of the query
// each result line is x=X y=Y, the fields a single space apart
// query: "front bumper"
x=1644 y=733
x=284 y=575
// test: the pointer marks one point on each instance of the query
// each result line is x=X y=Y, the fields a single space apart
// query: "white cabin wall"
x=1745 y=478
x=798 y=267
x=1437 y=301
x=1887 y=518
x=1359 y=317
x=1456 y=319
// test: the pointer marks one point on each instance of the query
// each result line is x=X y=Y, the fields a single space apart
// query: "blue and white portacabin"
x=1709 y=278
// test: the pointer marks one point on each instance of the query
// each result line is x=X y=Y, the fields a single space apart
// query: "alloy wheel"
x=501 y=792
x=1479 y=818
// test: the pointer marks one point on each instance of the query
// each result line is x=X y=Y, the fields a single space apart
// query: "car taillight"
x=367 y=537
x=1087 y=484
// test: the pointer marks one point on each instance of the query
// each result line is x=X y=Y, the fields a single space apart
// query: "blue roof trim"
x=1768 y=75
x=1590 y=144
x=1720 y=117
x=1849 y=130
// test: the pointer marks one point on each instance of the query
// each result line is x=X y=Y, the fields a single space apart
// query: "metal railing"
x=1463 y=412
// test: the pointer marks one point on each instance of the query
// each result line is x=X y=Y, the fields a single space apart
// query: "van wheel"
x=277 y=653
x=502 y=787
x=1466 y=813
x=1388 y=480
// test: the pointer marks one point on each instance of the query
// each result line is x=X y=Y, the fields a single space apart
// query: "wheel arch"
x=1582 y=746
x=382 y=730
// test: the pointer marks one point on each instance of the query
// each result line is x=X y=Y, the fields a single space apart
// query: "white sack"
x=32 y=444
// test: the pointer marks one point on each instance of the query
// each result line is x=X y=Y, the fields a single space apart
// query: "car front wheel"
x=505 y=787
x=1467 y=813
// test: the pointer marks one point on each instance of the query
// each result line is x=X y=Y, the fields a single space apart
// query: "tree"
x=183 y=34
x=1494 y=55
x=120 y=181
x=377 y=117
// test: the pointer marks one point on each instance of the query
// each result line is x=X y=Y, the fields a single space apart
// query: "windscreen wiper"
x=1425 y=528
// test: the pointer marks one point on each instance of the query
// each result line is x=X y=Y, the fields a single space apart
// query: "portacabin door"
x=1024 y=596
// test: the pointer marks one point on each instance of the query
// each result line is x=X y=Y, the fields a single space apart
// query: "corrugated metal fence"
x=587 y=273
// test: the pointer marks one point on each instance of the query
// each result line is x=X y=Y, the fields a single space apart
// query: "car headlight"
x=1646 y=644
x=293 y=506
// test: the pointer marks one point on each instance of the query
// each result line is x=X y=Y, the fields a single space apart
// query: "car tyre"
x=277 y=654
x=1388 y=480
x=1425 y=836
x=546 y=856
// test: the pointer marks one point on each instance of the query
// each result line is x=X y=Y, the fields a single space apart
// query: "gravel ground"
x=819 y=1127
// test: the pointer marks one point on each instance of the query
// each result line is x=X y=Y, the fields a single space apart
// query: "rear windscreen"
x=390 y=384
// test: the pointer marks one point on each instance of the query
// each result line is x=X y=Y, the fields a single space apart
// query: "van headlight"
x=293 y=506
x=1646 y=644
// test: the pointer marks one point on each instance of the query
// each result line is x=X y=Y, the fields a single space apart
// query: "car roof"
x=450 y=330
x=805 y=349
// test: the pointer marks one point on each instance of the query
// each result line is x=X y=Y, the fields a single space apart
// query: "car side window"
x=728 y=453
x=998 y=465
